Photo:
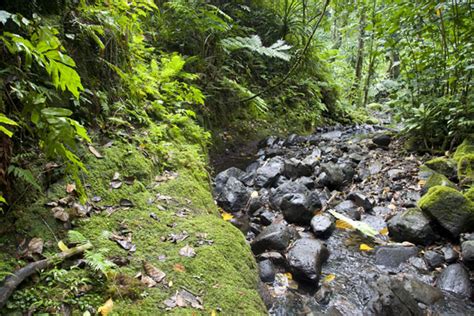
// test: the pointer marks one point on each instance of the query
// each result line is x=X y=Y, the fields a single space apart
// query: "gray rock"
x=420 y=291
x=275 y=257
x=450 y=255
x=393 y=256
x=295 y=168
x=334 y=135
x=305 y=259
x=299 y=207
x=269 y=172
x=273 y=237
x=382 y=140
x=322 y=225
x=433 y=259
x=234 y=196
x=361 y=200
x=468 y=253
x=266 y=217
x=266 y=270
x=411 y=225
x=221 y=179
x=332 y=175
x=455 y=279
x=349 y=208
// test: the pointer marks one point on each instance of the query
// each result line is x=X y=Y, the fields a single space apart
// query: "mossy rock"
x=466 y=147
x=449 y=208
x=469 y=194
x=437 y=179
x=425 y=173
x=466 y=169
x=443 y=165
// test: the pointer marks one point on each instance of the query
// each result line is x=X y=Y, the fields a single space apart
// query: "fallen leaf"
x=148 y=281
x=227 y=216
x=95 y=152
x=178 y=267
x=187 y=251
x=166 y=176
x=421 y=183
x=185 y=298
x=156 y=274
x=328 y=278
x=115 y=184
x=60 y=213
x=384 y=231
x=96 y=199
x=288 y=275
x=340 y=224
x=126 y=203
x=254 y=195
x=365 y=247
x=71 y=187
x=62 y=246
x=105 y=309
x=35 y=246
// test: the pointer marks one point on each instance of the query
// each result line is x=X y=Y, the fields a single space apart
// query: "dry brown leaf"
x=60 y=213
x=71 y=187
x=35 y=245
x=156 y=274
x=187 y=251
x=95 y=152
x=148 y=281
x=178 y=267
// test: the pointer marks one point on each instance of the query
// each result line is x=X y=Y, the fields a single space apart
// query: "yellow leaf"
x=62 y=246
x=340 y=224
x=213 y=313
x=438 y=12
x=328 y=278
x=105 y=309
x=364 y=247
x=288 y=275
x=384 y=231
x=226 y=216
x=421 y=183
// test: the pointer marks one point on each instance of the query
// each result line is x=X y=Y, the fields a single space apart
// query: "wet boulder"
x=468 y=253
x=234 y=195
x=434 y=259
x=449 y=208
x=450 y=255
x=305 y=259
x=274 y=237
x=269 y=172
x=295 y=168
x=382 y=140
x=361 y=200
x=393 y=256
x=221 y=179
x=299 y=207
x=455 y=279
x=322 y=225
x=333 y=175
x=444 y=166
x=411 y=225
x=266 y=270
x=437 y=179
x=349 y=208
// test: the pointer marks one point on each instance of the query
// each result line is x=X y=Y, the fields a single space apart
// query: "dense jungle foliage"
x=168 y=80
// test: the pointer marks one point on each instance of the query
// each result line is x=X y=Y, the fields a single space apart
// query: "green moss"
x=466 y=168
x=466 y=147
x=443 y=165
x=449 y=208
x=438 y=179
x=469 y=194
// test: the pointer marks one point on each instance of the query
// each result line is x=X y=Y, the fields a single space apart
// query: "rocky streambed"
x=335 y=223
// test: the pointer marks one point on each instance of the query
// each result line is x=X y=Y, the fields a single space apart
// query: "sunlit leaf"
x=365 y=247
x=62 y=246
x=105 y=309
x=227 y=216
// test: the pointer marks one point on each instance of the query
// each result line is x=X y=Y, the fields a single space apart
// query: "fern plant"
x=279 y=49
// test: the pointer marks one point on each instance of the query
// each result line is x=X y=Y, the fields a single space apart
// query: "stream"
x=295 y=202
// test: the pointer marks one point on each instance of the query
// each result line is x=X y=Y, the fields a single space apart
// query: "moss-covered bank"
x=223 y=273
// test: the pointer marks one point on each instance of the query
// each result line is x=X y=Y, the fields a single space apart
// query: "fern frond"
x=279 y=49
x=258 y=104
x=97 y=261
x=24 y=175
x=76 y=237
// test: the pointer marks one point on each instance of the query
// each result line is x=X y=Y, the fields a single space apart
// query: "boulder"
x=349 y=208
x=411 y=225
x=295 y=168
x=221 y=178
x=299 y=207
x=273 y=237
x=433 y=259
x=269 y=172
x=322 y=225
x=393 y=256
x=361 y=200
x=437 y=179
x=444 y=166
x=266 y=270
x=333 y=176
x=382 y=140
x=234 y=196
x=450 y=255
x=468 y=253
x=305 y=259
x=455 y=279
x=449 y=208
